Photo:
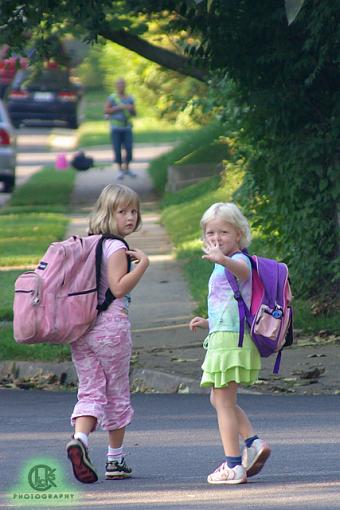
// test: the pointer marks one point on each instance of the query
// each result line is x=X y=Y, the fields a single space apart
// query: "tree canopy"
x=282 y=78
x=122 y=22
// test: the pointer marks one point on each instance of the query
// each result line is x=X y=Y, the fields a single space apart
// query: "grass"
x=95 y=130
x=10 y=350
x=35 y=217
x=7 y=279
x=48 y=188
x=24 y=237
x=181 y=216
x=194 y=147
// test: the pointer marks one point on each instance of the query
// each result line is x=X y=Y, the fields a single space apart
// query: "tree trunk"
x=160 y=56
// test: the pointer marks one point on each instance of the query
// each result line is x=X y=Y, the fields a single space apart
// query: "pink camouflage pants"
x=102 y=361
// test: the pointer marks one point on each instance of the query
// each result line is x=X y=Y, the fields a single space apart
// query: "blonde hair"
x=230 y=213
x=112 y=197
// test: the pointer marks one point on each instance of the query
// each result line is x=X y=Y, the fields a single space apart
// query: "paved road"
x=172 y=445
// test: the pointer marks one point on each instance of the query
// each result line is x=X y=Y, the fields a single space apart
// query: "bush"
x=189 y=148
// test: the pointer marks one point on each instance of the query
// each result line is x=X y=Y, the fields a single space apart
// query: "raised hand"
x=213 y=252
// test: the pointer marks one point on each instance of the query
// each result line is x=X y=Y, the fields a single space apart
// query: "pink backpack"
x=58 y=301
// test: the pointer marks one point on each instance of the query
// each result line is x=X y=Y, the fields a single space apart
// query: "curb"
x=142 y=380
x=152 y=381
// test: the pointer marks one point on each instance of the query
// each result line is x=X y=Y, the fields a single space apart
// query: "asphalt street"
x=172 y=445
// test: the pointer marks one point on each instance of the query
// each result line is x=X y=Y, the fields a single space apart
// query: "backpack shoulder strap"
x=242 y=308
x=114 y=98
x=243 y=311
x=109 y=297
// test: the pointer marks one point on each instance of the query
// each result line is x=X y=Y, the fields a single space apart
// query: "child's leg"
x=231 y=471
x=256 y=451
x=245 y=426
x=89 y=408
x=84 y=425
x=77 y=450
x=118 y=412
x=225 y=403
x=116 y=466
x=116 y=437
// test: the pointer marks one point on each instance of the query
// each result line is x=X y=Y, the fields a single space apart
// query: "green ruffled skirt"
x=225 y=361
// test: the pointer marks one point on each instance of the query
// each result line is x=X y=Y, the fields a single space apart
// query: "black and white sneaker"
x=116 y=470
x=83 y=468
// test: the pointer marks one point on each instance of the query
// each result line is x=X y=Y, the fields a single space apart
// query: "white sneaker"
x=121 y=175
x=254 y=458
x=225 y=474
x=130 y=173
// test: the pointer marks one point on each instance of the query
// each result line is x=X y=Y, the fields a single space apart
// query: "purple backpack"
x=270 y=317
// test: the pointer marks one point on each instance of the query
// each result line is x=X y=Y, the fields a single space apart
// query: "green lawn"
x=200 y=146
x=7 y=279
x=181 y=215
x=95 y=130
x=34 y=217
x=48 y=188
x=10 y=350
x=24 y=237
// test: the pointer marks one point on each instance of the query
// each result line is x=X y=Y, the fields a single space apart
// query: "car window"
x=3 y=113
x=46 y=79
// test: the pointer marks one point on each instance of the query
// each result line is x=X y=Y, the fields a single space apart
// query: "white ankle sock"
x=115 y=453
x=83 y=437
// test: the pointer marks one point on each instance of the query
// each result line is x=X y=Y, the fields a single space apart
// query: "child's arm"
x=114 y=108
x=238 y=267
x=198 y=322
x=120 y=281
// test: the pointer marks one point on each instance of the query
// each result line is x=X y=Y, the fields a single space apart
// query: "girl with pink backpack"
x=226 y=365
x=102 y=355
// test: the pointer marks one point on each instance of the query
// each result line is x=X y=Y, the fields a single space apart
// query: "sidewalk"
x=165 y=356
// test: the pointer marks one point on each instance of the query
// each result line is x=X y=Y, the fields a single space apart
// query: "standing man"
x=120 y=107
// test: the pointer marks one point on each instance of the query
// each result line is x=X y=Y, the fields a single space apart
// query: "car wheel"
x=73 y=123
x=9 y=184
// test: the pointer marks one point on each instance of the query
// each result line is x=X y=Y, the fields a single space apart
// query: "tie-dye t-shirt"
x=222 y=306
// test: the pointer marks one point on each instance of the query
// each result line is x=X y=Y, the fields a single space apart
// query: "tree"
x=286 y=83
x=114 y=20
x=118 y=21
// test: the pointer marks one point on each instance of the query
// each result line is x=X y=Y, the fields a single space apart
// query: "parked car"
x=9 y=65
x=44 y=95
x=7 y=150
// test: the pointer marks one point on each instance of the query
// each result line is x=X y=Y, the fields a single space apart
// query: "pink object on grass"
x=61 y=162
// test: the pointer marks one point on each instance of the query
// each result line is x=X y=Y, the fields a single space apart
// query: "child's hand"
x=128 y=106
x=213 y=252
x=138 y=256
x=198 y=322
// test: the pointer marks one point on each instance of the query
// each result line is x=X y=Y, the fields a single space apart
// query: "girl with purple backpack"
x=102 y=356
x=226 y=365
